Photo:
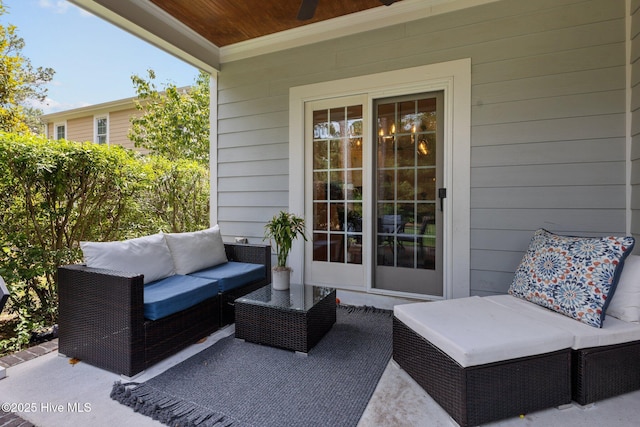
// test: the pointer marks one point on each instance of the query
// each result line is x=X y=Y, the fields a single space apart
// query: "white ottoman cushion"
x=613 y=331
x=474 y=331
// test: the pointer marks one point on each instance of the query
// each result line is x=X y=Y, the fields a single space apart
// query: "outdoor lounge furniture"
x=479 y=361
x=548 y=342
x=605 y=362
x=154 y=301
x=294 y=319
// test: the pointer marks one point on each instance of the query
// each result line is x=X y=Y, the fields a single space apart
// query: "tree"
x=20 y=83
x=175 y=122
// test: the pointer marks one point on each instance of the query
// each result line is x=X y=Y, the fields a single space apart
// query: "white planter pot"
x=280 y=279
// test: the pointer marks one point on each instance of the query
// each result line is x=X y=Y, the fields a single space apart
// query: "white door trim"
x=454 y=78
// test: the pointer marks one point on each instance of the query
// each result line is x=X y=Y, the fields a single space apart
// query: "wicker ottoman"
x=604 y=361
x=481 y=362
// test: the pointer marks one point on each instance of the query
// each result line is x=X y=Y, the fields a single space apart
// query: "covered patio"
x=539 y=127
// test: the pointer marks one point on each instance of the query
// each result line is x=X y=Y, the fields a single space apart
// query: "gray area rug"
x=236 y=383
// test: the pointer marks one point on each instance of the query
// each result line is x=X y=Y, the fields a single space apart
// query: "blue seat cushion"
x=232 y=274
x=176 y=293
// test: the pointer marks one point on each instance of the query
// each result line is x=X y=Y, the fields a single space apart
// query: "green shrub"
x=176 y=197
x=56 y=193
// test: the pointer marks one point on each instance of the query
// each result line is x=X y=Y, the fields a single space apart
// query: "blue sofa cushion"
x=232 y=275
x=176 y=293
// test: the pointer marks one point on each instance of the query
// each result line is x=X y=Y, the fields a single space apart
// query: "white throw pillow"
x=148 y=255
x=625 y=304
x=196 y=250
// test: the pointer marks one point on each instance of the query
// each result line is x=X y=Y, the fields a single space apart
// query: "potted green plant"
x=282 y=230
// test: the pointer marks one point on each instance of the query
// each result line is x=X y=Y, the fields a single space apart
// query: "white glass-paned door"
x=335 y=187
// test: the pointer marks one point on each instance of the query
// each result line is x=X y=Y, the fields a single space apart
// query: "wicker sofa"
x=104 y=312
x=487 y=358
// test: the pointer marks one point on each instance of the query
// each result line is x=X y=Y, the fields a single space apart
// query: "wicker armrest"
x=101 y=317
x=253 y=253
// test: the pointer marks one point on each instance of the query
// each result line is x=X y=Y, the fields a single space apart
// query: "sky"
x=93 y=59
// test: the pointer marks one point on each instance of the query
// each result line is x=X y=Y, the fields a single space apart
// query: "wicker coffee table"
x=295 y=319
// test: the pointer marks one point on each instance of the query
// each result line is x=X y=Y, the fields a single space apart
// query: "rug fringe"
x=364 y=309
x=166 y=409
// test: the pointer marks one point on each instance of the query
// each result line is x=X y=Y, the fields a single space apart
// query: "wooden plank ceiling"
x=225 y=22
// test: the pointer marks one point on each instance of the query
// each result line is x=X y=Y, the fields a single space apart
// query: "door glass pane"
x=426 y=149
x=320 y=185
x=354 y=188
x=355 y=153
x=336 y=249
x=406 y=183
x=426 y=118
x=426 y=184
x=336 y=216
x=426 y=242
x=320 y=247
x=336 y=154
x=386 y=184
x=320 y=126
x=406 y=150
x=337 y=120
x=338 y=186
x=320 y=218
x=320 y=155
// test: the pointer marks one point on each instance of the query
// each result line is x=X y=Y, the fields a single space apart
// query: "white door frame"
x=454 y=78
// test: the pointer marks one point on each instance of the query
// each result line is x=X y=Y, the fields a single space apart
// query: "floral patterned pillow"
x=575 y=276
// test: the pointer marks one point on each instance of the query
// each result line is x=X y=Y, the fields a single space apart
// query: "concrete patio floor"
x=54 y=393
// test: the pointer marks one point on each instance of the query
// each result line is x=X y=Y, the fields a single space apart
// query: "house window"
x=101 y=130
x=60 y=131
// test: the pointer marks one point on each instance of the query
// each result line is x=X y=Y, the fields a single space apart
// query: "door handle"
x=442 y=194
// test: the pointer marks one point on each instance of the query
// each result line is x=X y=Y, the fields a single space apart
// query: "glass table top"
x=298 y=297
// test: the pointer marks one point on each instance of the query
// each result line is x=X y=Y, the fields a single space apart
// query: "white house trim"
x=213 y=148
x=371 y=19
x=454 y=78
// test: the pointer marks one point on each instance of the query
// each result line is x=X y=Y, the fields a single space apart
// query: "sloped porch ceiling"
x=207 y=33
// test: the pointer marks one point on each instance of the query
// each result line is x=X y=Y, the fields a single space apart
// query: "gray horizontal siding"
x=563 y=129
x=595 y=221
x=563 y=197
x=538 y=153
x=567 y=83
x=551 y=175
x=548 y=120
x=253 y=168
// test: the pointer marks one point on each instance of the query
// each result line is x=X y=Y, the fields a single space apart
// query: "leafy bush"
x=177 y=195
x=56 y=193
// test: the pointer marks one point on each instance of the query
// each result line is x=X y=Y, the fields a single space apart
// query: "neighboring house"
x=526 y=112
x=106 y=123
